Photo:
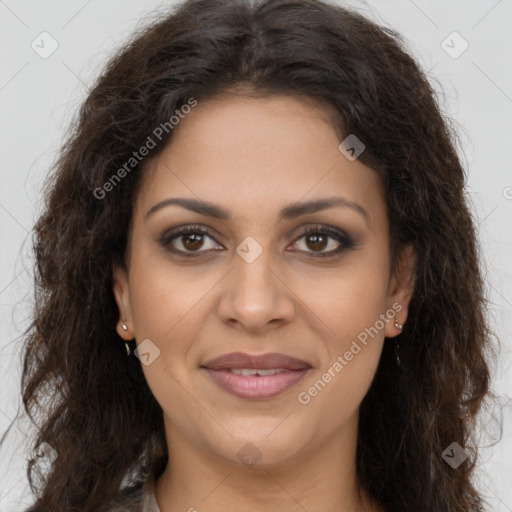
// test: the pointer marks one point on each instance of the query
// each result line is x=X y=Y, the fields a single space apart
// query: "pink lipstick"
x=260 y=376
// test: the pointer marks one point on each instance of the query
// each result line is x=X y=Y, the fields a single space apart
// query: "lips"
x=262 y=376
x=240 y=360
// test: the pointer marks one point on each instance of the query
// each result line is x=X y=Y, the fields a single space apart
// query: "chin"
x=261 y=446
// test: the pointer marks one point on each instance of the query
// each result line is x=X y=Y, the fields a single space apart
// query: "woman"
x=258 y=284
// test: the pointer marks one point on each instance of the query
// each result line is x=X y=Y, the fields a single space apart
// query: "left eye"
x=192 y=239
x=317 y=238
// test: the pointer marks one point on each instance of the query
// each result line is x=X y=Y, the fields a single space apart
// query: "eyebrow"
x=289 y=212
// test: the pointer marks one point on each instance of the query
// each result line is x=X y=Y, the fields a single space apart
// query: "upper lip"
x=263 y=362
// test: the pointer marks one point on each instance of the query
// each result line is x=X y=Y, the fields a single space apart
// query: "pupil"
x=318 y=239
x=195 y=244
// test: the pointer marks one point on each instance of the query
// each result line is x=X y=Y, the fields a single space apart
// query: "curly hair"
x=98 y=412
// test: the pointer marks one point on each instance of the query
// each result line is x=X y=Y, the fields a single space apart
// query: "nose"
x=255 y=295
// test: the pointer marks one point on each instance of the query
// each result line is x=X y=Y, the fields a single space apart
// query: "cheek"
x=166 y=300
x=167 y=309
x=353 y=349
x=347 y=300
x=335 y=395
x=349 y=304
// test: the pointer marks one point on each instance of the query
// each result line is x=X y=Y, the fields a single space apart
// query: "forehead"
x=247 y=152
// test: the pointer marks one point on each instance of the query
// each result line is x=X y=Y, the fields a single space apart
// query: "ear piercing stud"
x=125 y=328
x=398 y=326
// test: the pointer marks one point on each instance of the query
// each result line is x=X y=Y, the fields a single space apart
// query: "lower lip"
x=256 y=386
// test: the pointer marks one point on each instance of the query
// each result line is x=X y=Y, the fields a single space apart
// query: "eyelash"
x=339 y=236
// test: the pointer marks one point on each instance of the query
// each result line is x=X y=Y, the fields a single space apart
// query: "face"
x=259 y=273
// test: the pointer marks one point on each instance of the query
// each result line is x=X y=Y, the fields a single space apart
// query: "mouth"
x=256 y=377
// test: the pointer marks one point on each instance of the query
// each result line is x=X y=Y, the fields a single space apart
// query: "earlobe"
x=401 y=290
x=121 y=291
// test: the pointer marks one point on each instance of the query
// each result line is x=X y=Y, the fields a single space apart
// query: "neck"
x=196 y=479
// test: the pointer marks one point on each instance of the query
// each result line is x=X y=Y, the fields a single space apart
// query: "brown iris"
x=319 y=241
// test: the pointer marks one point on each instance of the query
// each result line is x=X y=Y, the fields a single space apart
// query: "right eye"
x=190 y=238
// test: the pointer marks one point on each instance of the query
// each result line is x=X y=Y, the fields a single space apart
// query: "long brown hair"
x=98 y=412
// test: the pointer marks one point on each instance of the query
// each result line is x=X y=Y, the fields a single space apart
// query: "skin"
x=253 y=157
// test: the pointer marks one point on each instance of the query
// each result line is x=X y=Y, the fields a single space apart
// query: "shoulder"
x=138 y=498
x=130 y=499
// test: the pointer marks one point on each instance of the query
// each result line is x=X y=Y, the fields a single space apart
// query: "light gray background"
x=38 y=98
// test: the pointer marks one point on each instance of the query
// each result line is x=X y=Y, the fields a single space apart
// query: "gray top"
x=140 y=498
x=149 y=503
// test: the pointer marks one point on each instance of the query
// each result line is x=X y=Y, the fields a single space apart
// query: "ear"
x=400 y=289
x=122 y=297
